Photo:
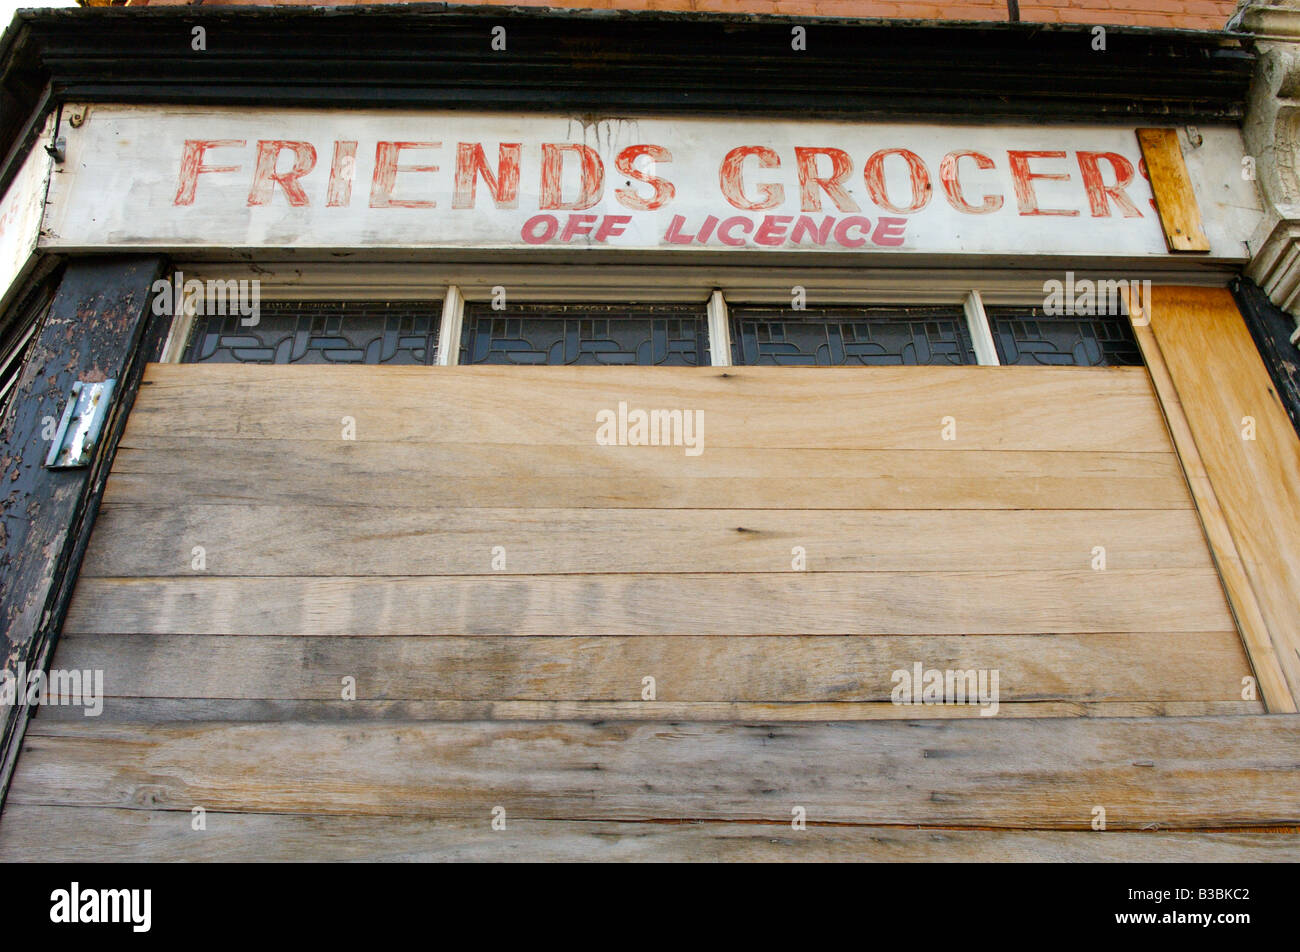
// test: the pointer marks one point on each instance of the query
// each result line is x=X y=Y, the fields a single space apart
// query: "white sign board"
x=175 y=178
x=20 y=218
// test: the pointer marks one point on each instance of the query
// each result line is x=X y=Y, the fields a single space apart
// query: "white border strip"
x=719 y=330
x=182 y=324
x=986 y=352
x=453 y=316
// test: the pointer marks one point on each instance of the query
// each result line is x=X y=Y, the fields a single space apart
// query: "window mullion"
x=453 y=314
x=719 y=331
x=986 y=352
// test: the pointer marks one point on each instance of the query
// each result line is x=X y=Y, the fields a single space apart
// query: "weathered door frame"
x=99 y=326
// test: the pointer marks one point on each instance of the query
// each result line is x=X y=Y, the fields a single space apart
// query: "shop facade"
x=479 y=413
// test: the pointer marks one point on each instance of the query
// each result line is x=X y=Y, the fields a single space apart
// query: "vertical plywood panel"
x=1247 y=446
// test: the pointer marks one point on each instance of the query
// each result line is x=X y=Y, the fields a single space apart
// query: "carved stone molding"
x=1272 y=134
x=1274 y=18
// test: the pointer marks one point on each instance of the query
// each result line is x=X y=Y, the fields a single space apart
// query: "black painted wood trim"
x=100 y=325
x=1271 y=328
x=619 y=63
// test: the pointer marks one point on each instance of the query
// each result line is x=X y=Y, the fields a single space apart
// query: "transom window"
x=658 y=335
x=1028 y=336
x=314 y=332
x=832 y=337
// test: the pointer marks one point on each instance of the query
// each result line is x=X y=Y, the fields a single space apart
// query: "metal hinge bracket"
x=79 y=430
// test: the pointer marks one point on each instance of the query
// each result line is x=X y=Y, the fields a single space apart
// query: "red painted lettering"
x=592 y=171
x=342 y=170
x=818 y=233
x=549 y=225
x=771 y=231
x=1100 y=195
x=724 y=230
x=471 y=163
x=1142 y=168
x=192 y=166
x=874 y=173
x=810 y=199
x=1023 y=181
x=265 y=177
x=386 y=169
x=889 y=232
x=730 y=178
x=612 y=226
x=674 y=234
x=853 y=221
x=578 y=225
x=948 y=177
x=663 y=189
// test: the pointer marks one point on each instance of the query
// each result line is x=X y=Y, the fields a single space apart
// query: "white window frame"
x=660 y=283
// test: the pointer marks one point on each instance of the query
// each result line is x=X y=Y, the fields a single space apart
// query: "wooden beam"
x=150 y=539
x=174 y=472
x=1200 y=773
x=1180 y=216
x=178 y=710
x=93 y=835
x=98 y=327
x=1034 y=409
x=806 y=669
x=782 y=602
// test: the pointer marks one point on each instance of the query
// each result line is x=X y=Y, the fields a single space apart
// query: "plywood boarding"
x=374 y=557
x=327 y=558
x=154 y=710
x=823 y=670
x=115 y=834
x=1080 y=410
x=487 y=475
x=1273 y=688
x=1154 y=773
x=144 y=539
x=1249 y=452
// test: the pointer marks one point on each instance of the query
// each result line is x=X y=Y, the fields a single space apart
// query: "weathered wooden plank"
x=1167 y=773
x=339 y=473
x=98 y=327
x=1249 y=450
x=155 y=710
x=1180 y=216
x=996 y=408
x=1241 y=597
x=150 y=541
x=788 y=603
x=1107 y=667
x=87 y=834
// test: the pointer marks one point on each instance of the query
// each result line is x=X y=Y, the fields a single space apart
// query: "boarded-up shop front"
x=484 y=446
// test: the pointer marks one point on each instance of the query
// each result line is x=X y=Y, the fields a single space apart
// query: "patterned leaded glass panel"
x=1026 y=335
x=321 y=332
x=658 y=335
x=839 y=336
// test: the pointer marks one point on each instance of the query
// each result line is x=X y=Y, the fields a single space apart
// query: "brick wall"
x=1184 y=14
